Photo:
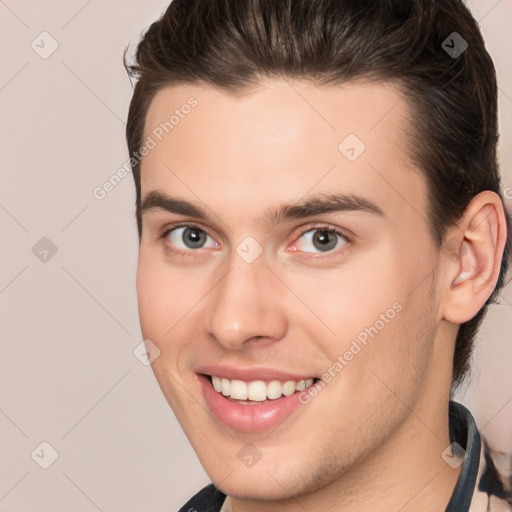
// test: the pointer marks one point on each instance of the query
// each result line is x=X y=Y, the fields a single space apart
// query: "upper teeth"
x=258 y=390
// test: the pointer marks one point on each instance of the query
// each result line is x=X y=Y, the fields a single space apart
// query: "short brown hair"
x=233 y=44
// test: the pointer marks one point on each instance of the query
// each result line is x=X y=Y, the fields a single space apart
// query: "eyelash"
x=198 y=253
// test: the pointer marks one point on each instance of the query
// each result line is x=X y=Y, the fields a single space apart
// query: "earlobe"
x=474 y=270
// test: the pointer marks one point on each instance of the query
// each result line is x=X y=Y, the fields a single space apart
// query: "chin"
x=266 y=480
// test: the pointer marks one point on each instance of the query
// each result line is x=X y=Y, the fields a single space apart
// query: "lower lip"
x=248 y=418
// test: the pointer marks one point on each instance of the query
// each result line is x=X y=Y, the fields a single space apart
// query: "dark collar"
x=463 y=431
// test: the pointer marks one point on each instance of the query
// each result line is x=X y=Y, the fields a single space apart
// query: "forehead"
x=280 y=141
x=332 y=109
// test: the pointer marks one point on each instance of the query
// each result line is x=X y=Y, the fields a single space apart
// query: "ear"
x=475 y=251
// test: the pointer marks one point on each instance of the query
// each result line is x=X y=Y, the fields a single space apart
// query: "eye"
x=184 y=238
x=323 y=239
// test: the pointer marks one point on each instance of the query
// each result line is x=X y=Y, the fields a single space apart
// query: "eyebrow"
x=317 y=205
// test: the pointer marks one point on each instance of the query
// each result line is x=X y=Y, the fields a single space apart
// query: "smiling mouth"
x=258 y=391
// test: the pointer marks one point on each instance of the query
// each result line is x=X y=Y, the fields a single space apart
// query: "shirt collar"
x=463 y=431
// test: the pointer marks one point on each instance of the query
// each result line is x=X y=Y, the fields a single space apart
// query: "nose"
x=246 y=305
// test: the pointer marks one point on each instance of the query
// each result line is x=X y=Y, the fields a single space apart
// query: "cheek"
x=158 y=295
x=150 y=298
x=169 y=301
x=378 y=312
x=339 y=303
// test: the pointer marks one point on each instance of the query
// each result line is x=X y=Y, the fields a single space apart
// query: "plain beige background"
x=68 y=308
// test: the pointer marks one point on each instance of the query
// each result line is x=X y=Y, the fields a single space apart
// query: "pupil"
x=193 y=237
x=322 y=238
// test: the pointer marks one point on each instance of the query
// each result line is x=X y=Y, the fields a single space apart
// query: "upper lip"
x=249 y=374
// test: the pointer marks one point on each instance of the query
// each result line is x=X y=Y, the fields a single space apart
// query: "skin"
x=372 y=438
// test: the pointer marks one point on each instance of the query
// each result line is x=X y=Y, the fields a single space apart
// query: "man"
x=321 y=230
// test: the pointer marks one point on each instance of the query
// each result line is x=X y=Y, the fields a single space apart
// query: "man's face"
x=247 y=296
